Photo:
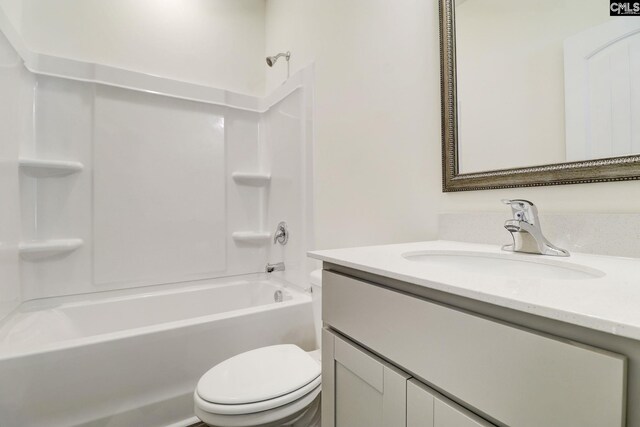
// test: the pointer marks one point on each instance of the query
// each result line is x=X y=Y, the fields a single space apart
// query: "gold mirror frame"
x=600 y=170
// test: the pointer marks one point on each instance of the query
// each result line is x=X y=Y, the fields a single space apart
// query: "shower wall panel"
x=149 y=191
x=159 y=204
x=58 y=206
x=13 y=87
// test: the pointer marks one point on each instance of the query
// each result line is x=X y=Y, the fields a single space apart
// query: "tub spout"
x=274 y=267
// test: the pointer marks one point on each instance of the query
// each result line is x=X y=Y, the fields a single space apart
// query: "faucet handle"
x=523 y=210
x=519 y=203
x=282 y=234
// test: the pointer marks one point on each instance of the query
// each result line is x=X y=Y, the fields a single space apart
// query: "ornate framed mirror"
x=538 y=93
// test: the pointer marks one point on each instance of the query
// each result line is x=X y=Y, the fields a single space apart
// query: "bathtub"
x=133 y=358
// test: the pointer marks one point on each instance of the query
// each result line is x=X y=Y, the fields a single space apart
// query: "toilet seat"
x=265 y=405
x=272 y=417
x=258 y=380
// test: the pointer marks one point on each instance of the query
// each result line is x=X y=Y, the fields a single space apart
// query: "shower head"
x=272 y=59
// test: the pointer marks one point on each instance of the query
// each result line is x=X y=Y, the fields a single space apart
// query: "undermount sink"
x=509 y=265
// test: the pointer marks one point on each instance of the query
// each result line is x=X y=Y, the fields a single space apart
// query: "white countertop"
x=610 y=303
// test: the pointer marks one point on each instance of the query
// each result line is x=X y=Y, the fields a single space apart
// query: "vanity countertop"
x=608 y=303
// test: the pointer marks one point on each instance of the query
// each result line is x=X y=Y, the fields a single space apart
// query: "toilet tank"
x=315 y=279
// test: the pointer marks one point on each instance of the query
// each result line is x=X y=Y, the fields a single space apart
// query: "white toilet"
x=271 y=386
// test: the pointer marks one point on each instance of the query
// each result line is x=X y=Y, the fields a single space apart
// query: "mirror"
x=538 y=93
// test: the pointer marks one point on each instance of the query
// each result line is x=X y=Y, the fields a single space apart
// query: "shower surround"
x=119 y=185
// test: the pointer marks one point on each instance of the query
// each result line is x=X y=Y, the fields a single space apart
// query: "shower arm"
x=286 y=55
x=271 y=60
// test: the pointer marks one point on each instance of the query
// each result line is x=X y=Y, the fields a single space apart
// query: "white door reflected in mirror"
x=545 y=82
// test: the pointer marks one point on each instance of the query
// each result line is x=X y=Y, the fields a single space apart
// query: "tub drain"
x=277 y=296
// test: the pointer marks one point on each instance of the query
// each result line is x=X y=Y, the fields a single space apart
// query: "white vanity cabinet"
x=507 y=375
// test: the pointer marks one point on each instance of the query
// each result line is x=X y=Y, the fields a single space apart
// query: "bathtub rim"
x=37 y=304
x=298 y=297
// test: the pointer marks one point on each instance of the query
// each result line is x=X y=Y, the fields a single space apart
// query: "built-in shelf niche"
x=251 y=237
x=43 y=168
x=44 y=248
x=252 y=179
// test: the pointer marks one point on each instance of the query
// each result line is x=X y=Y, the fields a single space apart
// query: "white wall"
x=378 y=169
x=376 y=128
x=13 y=10
x=219 y=43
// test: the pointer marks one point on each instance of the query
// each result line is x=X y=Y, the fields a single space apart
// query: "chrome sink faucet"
x=526 y=232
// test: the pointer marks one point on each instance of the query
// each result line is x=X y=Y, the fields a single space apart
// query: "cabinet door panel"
x=428 y=408
x=369 y=369
x=448 y=416
x=359 y=389
x=420 y=406
x=358 y=403
x=328 y=414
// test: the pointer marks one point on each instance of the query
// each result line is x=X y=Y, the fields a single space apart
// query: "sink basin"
x=503 y=265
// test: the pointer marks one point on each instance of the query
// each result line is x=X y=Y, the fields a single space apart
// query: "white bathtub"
x=133 y=358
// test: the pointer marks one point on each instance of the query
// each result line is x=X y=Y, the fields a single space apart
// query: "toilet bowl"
x=271 y=386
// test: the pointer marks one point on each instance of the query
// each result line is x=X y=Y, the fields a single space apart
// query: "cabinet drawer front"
x=515 y=376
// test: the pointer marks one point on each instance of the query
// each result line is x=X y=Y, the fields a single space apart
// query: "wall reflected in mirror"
x=544 y=82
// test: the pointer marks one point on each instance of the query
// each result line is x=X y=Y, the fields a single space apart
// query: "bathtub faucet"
x=274 y=267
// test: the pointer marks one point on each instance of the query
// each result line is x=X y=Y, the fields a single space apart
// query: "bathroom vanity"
x=449 y=334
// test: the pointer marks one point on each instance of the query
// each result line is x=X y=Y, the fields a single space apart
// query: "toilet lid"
x=258 y=375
